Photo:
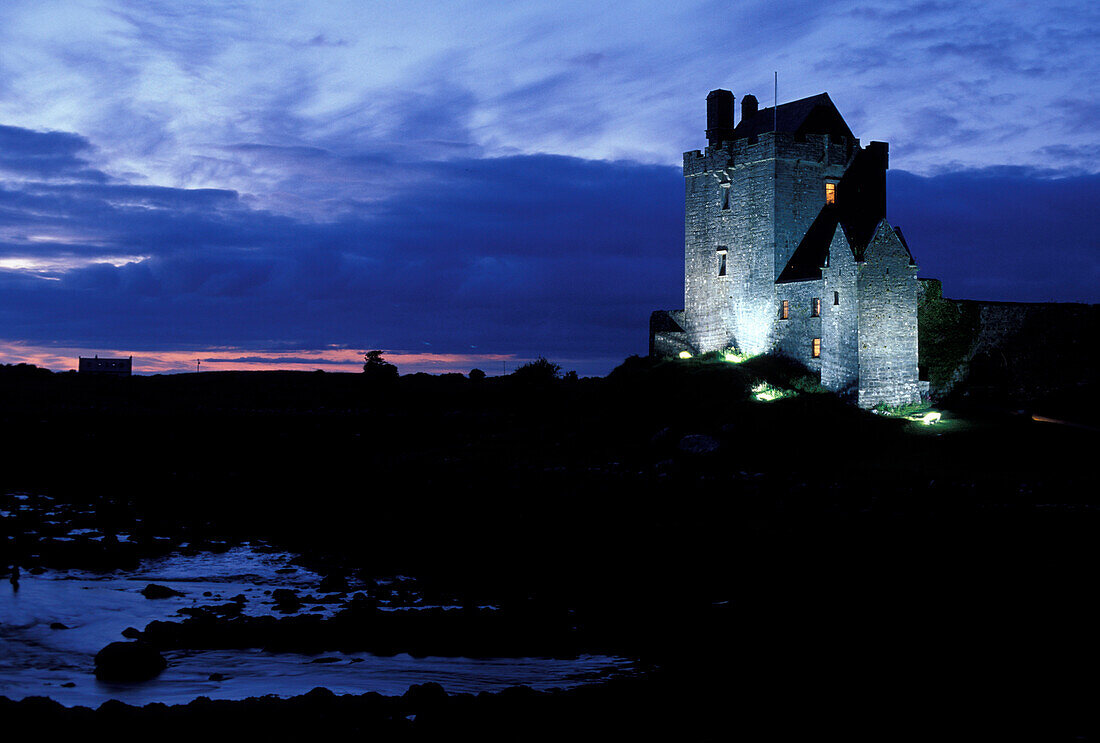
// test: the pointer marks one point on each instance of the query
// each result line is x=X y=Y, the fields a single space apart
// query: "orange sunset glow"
x=239 y=359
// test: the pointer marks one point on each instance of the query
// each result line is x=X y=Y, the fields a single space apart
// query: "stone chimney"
x=749 y=107
x=719 y=116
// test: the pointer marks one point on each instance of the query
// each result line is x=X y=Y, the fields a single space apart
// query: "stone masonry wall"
x=801 y=172
x=729 y=198
x=755 y=198
x=706 y=294
x=839 y=318
x=887 y=290
x=1027 y=352
x=666 y=334
x=794 y=336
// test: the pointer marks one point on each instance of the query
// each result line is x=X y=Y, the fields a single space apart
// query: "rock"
x=696 y=443
x=325 y=660
x=286 y=600
x=217 y=677
x=239 y=598
x=129 y=661
x=58 y=625
x=68 y=685
x=333 y=584
x=153 y=591
x=662 y=438
x=425 y=695
x=131 y=632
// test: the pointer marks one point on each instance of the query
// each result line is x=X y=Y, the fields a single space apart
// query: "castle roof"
x=860 y=208
x=813 y=115
x=810 y=256
x=806 y=262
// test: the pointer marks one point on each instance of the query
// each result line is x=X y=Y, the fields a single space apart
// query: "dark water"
x=36 y=660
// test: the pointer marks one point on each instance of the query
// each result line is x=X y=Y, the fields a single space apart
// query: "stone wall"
x=887 y=293
x=1008 y=351
x=729 y=200
x=666 y=334
x=794 y=336
x=755 y=198
x=839 y=318
x=801 y=171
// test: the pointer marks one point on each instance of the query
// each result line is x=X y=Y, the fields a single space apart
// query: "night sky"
x=286 y=184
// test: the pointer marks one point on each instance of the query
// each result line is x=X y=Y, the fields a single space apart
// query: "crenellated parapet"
x=812 y=148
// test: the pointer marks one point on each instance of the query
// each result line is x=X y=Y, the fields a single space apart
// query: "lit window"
x=817 y=348
x=721 y=261
x=785 y=310
x=815 y=307
x=830 y=193
x=836 y=297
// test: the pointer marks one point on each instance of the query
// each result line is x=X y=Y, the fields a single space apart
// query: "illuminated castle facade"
x=787 y=250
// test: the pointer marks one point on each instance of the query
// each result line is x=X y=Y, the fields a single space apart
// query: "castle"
x=787 y=250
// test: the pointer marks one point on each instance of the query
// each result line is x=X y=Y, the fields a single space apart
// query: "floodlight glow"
x=765 y=392
x=685 y=354
x=753 y=326
x=927 y=419
x=735 y=357
x=931 y=417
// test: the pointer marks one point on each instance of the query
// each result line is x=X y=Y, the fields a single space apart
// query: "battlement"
x=771 y=145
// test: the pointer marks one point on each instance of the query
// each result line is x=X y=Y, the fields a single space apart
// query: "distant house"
x=111 y=367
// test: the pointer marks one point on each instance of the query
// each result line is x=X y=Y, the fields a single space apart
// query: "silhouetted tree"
x=477 y=375
x=23 y=371
x=539 y=370
x=378 y=369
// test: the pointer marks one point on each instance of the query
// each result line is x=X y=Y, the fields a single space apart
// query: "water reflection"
x=36 y=660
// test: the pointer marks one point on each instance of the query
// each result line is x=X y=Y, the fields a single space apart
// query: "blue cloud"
x=1002 y=233
x=27 y=153
x=527 y=255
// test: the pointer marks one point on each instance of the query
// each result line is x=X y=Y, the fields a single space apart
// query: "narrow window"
x=815 y=307
x=721 y=261
x=836 y=297
x=817 y=348
x=725 y=197
x=830 y=193
x=785 y=310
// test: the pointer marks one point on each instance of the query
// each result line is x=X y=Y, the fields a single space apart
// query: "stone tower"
x=787 y=250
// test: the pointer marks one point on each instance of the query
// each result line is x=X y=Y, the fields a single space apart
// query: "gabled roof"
x=808 y=258
x=813 y=115
x=812 y=253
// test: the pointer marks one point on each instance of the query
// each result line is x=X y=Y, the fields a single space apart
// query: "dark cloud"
x=1068 y=157
x=1078 y=114
x=317 y=360
x=31 y=154
x=589 y=59
x=521 y=255
x=518 y=255
x=1010 y=234
x=322 y=40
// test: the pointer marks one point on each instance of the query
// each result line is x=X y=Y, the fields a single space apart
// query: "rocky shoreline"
x=785 y=570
